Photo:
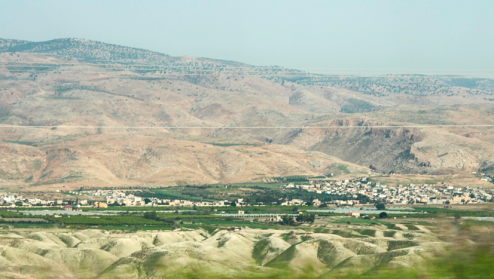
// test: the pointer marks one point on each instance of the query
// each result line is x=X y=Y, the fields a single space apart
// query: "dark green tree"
x=380 y=206
x=151 y=215
x=311 y=218
x=287 y=220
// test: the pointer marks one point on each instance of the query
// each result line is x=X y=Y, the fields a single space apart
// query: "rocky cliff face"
x=355 y=140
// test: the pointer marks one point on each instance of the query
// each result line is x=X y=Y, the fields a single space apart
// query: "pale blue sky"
x=427 y=35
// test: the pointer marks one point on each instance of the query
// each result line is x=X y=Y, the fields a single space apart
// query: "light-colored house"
x=316 y=202
x=101 y=205
x=276 y=218
x=83 y=202
x=354 y=214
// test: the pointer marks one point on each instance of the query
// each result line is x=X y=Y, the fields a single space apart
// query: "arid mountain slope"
x=128 y=159
x=102 y=90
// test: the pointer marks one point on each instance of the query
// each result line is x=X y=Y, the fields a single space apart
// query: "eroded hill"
x=114 y=254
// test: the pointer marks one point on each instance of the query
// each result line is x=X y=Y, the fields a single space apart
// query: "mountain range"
x=78 y=112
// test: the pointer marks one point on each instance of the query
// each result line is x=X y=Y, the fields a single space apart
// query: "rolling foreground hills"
x=89 y=253
x=78 y=112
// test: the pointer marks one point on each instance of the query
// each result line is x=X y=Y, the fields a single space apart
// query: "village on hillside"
x=398 y=194
x=342 y=192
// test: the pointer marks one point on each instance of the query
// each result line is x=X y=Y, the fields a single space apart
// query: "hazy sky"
x=393 y=35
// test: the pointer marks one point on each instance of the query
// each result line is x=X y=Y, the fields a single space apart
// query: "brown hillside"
x=134 y=116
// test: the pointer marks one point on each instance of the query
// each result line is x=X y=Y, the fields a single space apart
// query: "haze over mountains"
x=144 y=118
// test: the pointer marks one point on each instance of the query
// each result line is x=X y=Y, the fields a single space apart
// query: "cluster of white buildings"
x=121 y=198
x=396 y=194
x=14 y=199
x=350 y=191
x=105 y=198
